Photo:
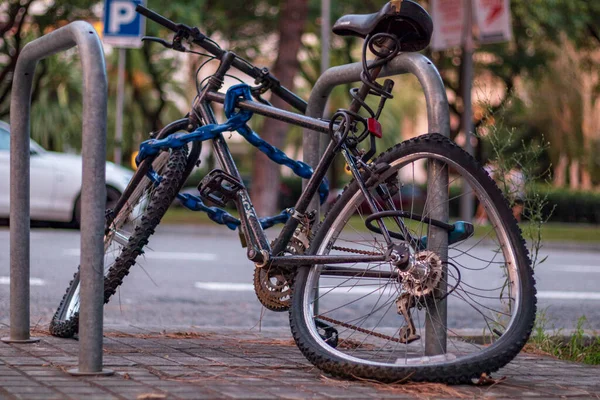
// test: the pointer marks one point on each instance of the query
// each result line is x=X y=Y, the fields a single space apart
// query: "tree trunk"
x=574 y=175
x=586 y=179
x=560 y=178
x=265 y=174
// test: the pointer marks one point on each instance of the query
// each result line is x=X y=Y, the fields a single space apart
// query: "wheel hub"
x=423 y=274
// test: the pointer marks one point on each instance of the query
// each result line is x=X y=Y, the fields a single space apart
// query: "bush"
x=572 y=206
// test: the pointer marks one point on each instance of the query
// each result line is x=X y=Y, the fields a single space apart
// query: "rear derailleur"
x=419 y=279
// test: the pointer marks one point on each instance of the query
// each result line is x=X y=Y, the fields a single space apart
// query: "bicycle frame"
x=259 y=250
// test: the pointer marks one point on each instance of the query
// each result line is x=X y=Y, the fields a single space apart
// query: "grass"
x=584 y=233
x=552 y=232
x=578 y=346
x=183 y=216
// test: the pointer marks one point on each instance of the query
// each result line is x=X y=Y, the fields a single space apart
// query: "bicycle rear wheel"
x=127 y=236
x=375 y=321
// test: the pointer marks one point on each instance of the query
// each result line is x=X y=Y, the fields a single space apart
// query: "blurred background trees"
x=546 y=82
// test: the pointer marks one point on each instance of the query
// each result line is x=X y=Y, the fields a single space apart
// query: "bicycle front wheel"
x=377 y=321
x=127 y=235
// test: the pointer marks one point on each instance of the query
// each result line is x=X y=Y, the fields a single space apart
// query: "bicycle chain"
x=357 y=251
x=354 y=327
x=359 y=329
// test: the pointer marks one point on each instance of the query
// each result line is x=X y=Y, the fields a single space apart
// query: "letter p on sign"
x=121 y=13
x=123 y=27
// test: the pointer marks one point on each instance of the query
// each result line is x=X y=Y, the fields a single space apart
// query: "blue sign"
x=123 y=26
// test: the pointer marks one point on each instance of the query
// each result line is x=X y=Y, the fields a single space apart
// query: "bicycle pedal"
x=219 y=187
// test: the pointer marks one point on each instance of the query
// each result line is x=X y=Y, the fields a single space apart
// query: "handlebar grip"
x=159 y=19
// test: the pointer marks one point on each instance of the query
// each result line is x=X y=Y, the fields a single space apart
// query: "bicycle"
x=368 y=282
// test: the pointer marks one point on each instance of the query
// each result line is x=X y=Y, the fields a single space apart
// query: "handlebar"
x=239 y=63
x=159 y=19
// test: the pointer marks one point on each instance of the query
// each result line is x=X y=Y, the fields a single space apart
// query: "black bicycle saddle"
x=403 y=18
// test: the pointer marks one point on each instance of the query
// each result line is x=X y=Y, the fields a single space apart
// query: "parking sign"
x=123 y=27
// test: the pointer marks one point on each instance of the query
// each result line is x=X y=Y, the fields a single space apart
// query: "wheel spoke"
x=373 y=307
x=122 y=247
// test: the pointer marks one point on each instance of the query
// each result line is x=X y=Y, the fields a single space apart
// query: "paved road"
x=204 y=279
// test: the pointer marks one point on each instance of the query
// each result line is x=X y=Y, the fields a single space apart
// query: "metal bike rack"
x=93 y=195
x=438 y=119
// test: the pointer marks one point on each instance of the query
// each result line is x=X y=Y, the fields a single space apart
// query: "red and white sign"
x=448 y=17
x=491 y=17
x=493 y=20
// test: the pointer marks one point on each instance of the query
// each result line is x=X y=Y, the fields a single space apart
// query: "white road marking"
x=225 y=286
x=248 y=287
x=574 y=268
x=162 y=255
x=559 y=295
x=5 y=280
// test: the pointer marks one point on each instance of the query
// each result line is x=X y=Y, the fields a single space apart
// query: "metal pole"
x=93 y=195
x=311 y=141
x=436 y=320
x=325 y=33
x=118 y=156
x=325 y=61
x=438 y=118
x=321 y=141
x=466 y=200
x=19 y=200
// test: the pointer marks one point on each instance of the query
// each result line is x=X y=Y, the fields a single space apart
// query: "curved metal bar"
x=438 y=116
x=93 y=196
x=438 y=119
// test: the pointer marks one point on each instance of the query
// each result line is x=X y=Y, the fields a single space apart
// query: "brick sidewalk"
x=202 y=363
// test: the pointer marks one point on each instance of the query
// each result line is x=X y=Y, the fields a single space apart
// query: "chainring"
x=273 y=286
x=273 y=289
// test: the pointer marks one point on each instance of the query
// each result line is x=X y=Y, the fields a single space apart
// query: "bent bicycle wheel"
x=459 y=309
x=127 y=236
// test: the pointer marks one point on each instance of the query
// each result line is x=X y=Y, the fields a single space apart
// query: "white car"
x=55 y=182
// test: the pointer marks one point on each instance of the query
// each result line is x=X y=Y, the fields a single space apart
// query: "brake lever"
x=157 y=40
x=175 y=45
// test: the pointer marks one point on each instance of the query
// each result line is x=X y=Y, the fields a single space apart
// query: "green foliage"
x=537 y=25
x=565 y=205
x=243 y=23
x=56 y=115
x=150 y=86
x=577 y=346
x=515 y=165
x=19 y=26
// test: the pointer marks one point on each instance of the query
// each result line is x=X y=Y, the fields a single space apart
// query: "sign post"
x=453 y=22
x=123 y=28
x=466 y=201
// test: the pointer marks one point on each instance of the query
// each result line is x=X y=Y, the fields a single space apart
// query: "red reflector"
x=374 y=127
